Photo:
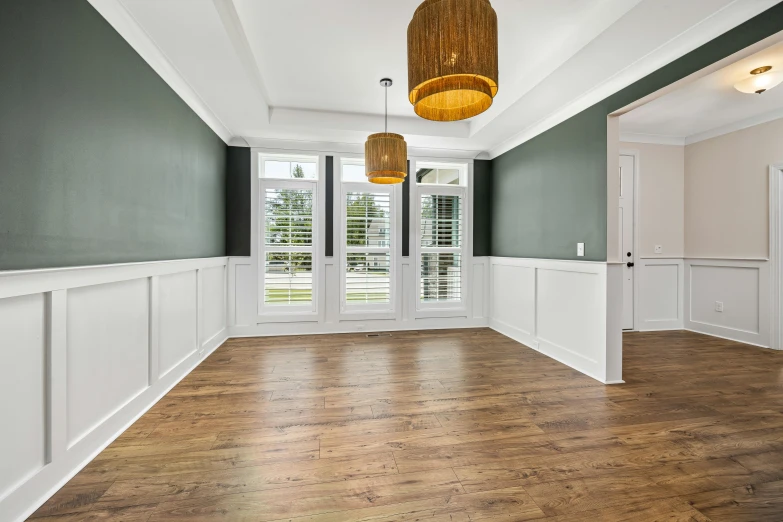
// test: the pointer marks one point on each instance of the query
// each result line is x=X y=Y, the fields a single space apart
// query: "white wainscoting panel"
x=560 y=308
x=514 y=300
x=23 y=403
x=213 y=302
x=177 y=335
x=244 y=321
x=86 y=351
x=661 y=288
x=742 y=287
x=107 y=352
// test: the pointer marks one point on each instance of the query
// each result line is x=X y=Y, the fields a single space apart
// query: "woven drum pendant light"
x=452 y=59
x=385 y=153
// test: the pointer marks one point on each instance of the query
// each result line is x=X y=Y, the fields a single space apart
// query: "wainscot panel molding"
x=89 y=350
x=743 y=288
x=564 y=309
x=244 y=321
x=660 y=301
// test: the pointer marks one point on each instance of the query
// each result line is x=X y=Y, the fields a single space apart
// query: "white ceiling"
x=708 y=106
x=288 y=71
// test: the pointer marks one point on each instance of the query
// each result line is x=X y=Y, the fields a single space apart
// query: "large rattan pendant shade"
x=386 y=153
x=452 y=59
x=386 y=158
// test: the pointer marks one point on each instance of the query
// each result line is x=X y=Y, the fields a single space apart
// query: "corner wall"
x=723 y=186
x=727 y=232
x=556 y=189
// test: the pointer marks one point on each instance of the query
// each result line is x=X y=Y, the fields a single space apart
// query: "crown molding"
x=348 y=121
x=236 y=34
x=351 y=148
x=656 y=139
x=734 y=127
x=114 y=12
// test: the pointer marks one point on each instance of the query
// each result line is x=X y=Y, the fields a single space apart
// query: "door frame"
x=776 y=254
x=636 y=153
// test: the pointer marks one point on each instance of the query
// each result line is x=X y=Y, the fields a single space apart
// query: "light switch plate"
x=658 y=249
x=580 y=249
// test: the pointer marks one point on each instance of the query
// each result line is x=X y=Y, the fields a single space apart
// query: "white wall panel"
x=87 y=344
x=560 y=308
x=736 y=287
x=107 y=351
x=661 y=285
x=246 y=310
x=213 y=302
x=478 y=293
x=742 y=287
x=570 y=315
x=514 y=297
x=22 y=389
x=178 y=316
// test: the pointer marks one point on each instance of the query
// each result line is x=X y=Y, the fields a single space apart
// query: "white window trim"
x=443 y=309
x=391 y=309
x=267 y=313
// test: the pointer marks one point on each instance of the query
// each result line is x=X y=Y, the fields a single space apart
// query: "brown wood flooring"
x=457 y=425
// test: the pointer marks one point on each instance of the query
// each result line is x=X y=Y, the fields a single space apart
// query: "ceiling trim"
x=736 y=126
x=126 y=25
x=699 y=34
x=352 y=148
x=236 y=34
x=655 y=139
x=352 y=121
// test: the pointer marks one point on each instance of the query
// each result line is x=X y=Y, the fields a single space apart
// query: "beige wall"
x=726 y=192
x=660 y=198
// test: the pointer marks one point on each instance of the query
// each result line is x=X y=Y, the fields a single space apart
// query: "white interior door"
x=626 y=236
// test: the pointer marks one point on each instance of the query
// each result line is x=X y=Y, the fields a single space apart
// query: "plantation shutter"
x=288 y=246
x=441 y=248
x=368 y=248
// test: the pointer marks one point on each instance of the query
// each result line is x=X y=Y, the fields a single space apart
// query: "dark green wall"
x=100 y=161
x=482 y=212
x=549 y=193
x=238 y=201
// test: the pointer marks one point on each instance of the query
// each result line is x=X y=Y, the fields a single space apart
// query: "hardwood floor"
x=449 y=426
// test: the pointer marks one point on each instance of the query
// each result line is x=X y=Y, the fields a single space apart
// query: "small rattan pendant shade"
x=386 y=158
x=452 y=59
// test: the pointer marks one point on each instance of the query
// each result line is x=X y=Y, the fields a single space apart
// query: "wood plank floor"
x=448 y=426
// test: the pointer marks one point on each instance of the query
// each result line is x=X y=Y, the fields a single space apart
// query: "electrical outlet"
x=658 y=249
x=718 y=306
x=580 y=249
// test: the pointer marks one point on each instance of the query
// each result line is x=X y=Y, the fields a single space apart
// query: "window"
x=290 y=168
x=368 y=253
x=440 y=175
x=441 y=248
x=288 y=242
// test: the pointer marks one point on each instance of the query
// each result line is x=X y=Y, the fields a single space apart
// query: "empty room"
x=414 y=260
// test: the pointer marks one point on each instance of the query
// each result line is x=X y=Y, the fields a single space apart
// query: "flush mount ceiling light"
x=385 y=153
x=761 y=80
x=452 y=59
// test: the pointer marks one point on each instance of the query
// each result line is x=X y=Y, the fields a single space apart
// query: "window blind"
x=288 y=246
x=368 y=260
x=441 y=248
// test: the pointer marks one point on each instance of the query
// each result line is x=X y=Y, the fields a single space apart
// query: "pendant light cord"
x=386 y=109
